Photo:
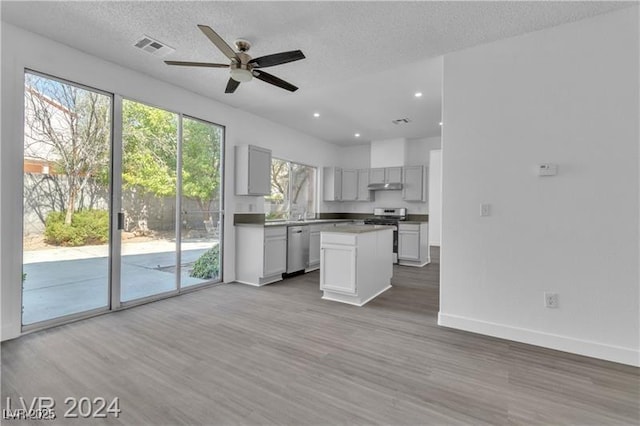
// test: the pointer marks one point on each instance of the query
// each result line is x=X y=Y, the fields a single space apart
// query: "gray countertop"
x=294 y=222
x=356 y=229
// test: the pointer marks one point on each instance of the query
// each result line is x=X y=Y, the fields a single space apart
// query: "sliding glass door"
x=201 y=202
x=148 y=194
x=114 y=220
x=66 y=202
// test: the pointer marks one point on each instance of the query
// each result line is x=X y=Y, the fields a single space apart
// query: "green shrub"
x=208 y=265
x=87 y=227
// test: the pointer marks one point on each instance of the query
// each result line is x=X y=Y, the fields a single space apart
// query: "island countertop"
x=356 y=229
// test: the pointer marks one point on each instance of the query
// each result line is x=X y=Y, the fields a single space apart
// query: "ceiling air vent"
x=153 y=46
x=401 y=121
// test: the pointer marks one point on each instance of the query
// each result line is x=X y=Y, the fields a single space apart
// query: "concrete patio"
x=68 y=280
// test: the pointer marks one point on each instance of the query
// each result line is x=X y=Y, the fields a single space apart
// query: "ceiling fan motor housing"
x=241 y=71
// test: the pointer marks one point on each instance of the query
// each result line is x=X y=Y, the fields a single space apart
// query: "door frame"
x=115 y=206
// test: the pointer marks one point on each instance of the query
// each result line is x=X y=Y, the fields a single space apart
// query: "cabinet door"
x=376 y=175
x=338 y=268
x=314 y=248
x=275 y=255
x=412 y=187
x=363 y=182
x=332 y=184
x=349 y=185
x=409 y=245
x=259 y=171
x=393 y=175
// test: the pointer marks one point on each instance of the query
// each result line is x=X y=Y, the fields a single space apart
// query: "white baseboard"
x=9 y=331
x=351 y=300
x=588 y=348
x=416 y=264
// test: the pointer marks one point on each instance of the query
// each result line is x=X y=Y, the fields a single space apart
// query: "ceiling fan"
x=243 y=67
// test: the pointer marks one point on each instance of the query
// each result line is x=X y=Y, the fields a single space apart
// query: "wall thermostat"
x=547 y=169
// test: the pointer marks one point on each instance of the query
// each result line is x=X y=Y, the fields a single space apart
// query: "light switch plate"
x=485 y=209
x=547 y=169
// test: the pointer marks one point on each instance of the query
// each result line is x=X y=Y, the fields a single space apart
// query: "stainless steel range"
x=388 y=216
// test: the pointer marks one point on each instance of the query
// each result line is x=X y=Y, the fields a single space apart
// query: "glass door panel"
x=201 y=218
x=149 y=161
x=66 y=196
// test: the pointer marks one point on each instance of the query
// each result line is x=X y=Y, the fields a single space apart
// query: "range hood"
x=384 y=186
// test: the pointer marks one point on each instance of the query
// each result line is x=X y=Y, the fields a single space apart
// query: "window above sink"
x=293 y=191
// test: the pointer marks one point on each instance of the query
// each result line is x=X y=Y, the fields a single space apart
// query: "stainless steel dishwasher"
x=297 y=248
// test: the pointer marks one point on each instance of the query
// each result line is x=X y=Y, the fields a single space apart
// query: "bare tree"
x=68 y=127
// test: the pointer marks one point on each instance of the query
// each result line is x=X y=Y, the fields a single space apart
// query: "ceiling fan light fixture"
x=241 y=75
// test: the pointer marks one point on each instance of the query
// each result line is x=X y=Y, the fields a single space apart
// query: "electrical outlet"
x=485 y=209
x=550 y=300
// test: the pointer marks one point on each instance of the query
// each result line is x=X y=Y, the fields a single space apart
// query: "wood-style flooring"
x=235 y=354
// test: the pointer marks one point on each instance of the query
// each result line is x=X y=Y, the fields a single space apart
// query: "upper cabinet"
x=385 y=175
x=332 y=184
x=363 y=182
x=414 y=184
x=346 y=184
x=253 y=170
x=376 y=175
x=349 y=185
x=393 y=175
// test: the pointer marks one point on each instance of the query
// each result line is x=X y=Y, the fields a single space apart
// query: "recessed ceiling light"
x=418 y=94
x=357 y=135
x=316 y=114
x=440 y=123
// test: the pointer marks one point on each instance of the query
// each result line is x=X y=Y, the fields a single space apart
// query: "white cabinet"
x=349 y=185
x=413 y=244
x=314 y=247
x=355 y=266
x=339 y=271
x=332 y=184
x=253 y=170
x=393 y=175
x=363 y=183
x=385 y=175
x=275 y=251
x=413 y=184
x=376 y=175
x=261 y=254
x=409 y=242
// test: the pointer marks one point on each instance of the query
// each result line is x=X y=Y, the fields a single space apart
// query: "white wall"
x=388 y=152
x=418 y=150
x=21 y=49
x=568 y=95
x=435 y=197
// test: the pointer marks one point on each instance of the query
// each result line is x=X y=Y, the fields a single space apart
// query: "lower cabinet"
x=340 y=275
x=275 y=251
x=314 y=247
x=355 y=267
x=261 y=254
x=413 y=244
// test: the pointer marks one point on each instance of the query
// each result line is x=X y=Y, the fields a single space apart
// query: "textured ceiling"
x=364 y=59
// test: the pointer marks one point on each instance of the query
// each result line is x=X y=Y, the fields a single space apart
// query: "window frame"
x=290 y=189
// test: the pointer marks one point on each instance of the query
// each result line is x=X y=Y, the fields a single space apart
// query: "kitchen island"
x=356 y=262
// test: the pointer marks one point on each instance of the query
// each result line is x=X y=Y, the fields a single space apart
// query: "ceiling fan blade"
x=277 y=59
x=232 y=85
x=272 y=79
x=196 y=64
x=218 y=41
